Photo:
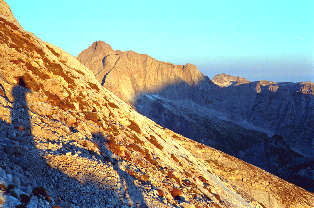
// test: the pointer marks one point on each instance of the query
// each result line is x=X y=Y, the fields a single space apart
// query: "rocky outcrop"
x=225 y=80
x=128 y=74
x=7 y=13
x=68 y=142
x=229 y=113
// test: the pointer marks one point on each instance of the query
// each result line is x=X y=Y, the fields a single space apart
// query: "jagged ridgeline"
x=66 y=141
x=264 y=123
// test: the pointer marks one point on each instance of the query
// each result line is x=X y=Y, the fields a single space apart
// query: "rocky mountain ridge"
x=128 y=73
x=230 y=113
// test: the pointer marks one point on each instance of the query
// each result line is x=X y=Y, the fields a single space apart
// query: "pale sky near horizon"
x=259 y=40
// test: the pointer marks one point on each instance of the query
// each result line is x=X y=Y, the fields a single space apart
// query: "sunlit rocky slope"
x=65 y=141
x=127 y=74
x=267 y=124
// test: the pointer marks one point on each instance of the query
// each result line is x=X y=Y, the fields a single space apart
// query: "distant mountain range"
x=268 y=124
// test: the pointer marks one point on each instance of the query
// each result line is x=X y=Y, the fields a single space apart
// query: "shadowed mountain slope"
x=246 y=130
x=265 y=123
x=67 y=141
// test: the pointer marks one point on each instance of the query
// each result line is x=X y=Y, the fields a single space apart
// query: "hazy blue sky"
x=257 y=39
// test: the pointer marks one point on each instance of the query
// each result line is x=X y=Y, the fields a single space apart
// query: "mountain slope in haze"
x=65 y=141
x=267 y=124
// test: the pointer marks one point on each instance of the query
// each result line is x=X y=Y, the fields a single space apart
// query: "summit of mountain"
x=5 y=11
x=127 y=74
x=94 y=55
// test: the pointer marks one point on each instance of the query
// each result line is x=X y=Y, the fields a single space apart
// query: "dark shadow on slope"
x=193 y=111
x=132 y=193
x=25 y=163
x=103 y=63
x=104 y=78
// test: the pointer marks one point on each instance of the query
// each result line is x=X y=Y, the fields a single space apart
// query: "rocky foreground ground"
x=66 y=141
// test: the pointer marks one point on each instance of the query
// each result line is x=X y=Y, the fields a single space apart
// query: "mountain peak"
x=226 y=80
x=6 y=11
x=101 y=45
x=94 y=54
x=189 y=66
x=136 y=72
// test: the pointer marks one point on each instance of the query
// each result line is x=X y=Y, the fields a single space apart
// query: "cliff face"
x=277 y=108
x=229 y=113
x=67 y=141
x=128 y=74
